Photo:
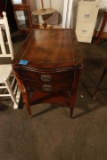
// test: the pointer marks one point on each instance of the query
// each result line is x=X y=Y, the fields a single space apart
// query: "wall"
x=17 y=1
x=74 y=13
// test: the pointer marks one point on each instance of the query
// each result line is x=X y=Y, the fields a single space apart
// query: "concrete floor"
x=50 y=134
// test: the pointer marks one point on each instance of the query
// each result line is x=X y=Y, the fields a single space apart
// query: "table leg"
x=74 y=90
x=44 y=17
x=26 y=100
x=24 y=92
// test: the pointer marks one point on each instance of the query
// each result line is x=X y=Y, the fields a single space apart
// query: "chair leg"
x=102 y=28
x=7 y=83
x=101 y=79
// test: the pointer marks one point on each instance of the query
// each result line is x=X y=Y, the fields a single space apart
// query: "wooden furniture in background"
x=49 y=65
x=22 y=15
x=45 y=13
x=102 y=27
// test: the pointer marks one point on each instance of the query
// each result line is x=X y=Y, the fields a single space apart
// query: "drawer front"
x=46 y=77
x=48 y=87
x=85 y=29
x=87 y=12
x=84 y=39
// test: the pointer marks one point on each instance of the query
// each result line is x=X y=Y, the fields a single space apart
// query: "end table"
x=47 y=68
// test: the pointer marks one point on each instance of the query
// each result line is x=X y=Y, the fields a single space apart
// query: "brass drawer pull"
x=46 y=78
x=47 y=87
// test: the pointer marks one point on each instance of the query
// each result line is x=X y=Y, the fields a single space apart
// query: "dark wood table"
x=47 y=68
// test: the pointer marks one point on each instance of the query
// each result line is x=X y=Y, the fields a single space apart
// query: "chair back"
x=6 y=48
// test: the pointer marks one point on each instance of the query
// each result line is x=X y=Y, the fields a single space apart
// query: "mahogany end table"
x=47 y=68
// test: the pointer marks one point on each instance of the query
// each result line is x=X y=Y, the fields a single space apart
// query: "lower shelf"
x=61 y=97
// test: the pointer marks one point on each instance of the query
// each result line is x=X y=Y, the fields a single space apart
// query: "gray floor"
x=50 y=134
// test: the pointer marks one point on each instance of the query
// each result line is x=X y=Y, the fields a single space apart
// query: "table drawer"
x=46 y=76
x=48 y=87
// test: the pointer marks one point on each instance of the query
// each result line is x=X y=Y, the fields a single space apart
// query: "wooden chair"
x=8 y=85
x=102 y=27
